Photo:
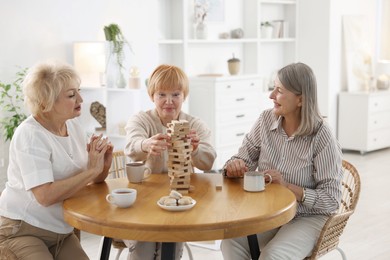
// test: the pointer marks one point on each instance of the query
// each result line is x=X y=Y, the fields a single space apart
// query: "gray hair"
x=300 y=80
x=44 y=83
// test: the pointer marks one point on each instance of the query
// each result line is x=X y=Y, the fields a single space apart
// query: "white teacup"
x=255 y=181
x=123 y=198
x=137 y=172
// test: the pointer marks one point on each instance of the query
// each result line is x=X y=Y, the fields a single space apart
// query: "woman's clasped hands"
x=99 y=151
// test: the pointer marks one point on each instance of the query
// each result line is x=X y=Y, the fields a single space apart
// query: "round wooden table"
x=218 y=214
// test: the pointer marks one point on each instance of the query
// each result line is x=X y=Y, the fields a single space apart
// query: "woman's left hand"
x=195 y=139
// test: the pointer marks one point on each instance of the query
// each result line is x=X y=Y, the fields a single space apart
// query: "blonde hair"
x=300 y=80
x=44 y=83
x=168 y=77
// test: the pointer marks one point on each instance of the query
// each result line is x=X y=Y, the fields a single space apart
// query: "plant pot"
x=266 y=32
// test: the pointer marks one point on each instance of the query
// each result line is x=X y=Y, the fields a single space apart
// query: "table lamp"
x=90 y=62
x=383 y=74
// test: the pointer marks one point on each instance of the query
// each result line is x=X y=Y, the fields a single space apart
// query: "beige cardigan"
x=146 y=124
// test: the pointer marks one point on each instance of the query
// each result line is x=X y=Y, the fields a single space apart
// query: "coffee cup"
x=255 y=181
x=123 y=198
x=137 y=172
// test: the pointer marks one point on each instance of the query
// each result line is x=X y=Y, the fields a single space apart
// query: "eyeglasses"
x=161 y=96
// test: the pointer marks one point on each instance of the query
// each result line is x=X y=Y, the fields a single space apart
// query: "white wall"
x=321 y=45
x=44 y=29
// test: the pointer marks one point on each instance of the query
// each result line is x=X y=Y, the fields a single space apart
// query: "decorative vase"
x=115 y=70
x=201 y=31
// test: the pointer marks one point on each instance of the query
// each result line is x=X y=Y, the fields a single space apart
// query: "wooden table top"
x=218 y=214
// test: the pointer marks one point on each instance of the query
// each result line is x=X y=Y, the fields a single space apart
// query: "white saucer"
x=177 y=208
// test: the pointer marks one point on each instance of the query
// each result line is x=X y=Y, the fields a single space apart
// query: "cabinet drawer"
x=237 y=86
x=238 y=116
x=379 y=120
x=232 y=135
x=239 y=99
x=378 y=139
x=379 y=103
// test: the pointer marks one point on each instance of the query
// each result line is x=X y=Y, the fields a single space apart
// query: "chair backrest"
x=334 y=226
x=351 y=188
x=118 y=165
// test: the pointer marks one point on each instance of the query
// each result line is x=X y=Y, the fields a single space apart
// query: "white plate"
x=177 y=208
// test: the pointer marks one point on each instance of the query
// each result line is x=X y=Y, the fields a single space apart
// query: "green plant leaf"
x=11 y=99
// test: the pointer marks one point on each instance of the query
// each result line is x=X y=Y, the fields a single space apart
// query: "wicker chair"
x=334 y=226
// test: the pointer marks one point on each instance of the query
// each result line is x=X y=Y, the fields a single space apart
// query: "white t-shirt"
x=36 y=157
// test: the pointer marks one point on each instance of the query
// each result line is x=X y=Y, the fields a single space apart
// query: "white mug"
x=137 y=172
x=123 y=198
x=255 y=181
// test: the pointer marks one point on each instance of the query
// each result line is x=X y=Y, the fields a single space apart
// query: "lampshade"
x=90 y=62
x=383 y=67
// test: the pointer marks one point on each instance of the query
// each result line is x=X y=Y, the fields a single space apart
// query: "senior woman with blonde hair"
x=292 y=143
x=49 y=161
x=147 y=138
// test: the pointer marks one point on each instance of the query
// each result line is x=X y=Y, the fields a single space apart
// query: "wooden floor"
x=367 y=235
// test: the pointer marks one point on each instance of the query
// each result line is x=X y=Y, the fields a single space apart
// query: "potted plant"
x=117 y=40
x=266 y=29
x=11 y=100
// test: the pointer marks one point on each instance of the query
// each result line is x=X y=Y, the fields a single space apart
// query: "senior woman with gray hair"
x=293 y=144
x=49 y=161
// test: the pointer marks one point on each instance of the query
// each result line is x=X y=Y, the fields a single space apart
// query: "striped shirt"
x=313 y=161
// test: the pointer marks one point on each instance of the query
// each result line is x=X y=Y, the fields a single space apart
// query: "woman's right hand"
x=156 y=144
x=236 y=168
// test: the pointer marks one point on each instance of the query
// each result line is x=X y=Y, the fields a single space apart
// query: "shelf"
x=276 y=40
x=285 y=2
x=260 y=56
x=223 y=41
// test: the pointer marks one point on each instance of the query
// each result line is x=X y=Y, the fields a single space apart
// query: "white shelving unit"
x=178 y=46
x=120 y=105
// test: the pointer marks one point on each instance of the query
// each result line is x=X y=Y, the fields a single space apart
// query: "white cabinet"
x=120 y=105
x=258 y=55
x=364 y=120
x=229 y=106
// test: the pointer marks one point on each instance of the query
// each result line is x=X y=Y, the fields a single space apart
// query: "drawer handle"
x=240 y=134
x=228 y=86
x=252 y=83
x=239 y=116
x=240 y=99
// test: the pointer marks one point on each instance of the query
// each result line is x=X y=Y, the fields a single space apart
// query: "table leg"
x=168 y=251
x=106 y=248
x=253 y=246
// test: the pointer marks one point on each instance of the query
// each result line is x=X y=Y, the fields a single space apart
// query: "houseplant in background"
x=115 y=63
x=11 y=102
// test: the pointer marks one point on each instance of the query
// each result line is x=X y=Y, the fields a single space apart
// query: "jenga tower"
x=179 y=156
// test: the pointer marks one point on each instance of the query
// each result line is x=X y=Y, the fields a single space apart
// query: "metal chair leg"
x=189 y=251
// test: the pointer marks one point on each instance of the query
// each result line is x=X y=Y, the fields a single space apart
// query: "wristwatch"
x=303 y=195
